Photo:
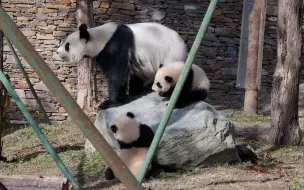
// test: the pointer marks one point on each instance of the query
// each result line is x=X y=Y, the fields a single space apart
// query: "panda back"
x=200 y=79
x=157 y=44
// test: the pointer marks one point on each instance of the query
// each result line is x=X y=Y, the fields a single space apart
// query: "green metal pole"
x=37 y=130
x=16 y=37
x=28 y=81
x=177 y=90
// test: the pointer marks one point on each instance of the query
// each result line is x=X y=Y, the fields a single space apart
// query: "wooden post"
x=33 y=183
x=285 y=87
x=255 y=48
x=86 y=97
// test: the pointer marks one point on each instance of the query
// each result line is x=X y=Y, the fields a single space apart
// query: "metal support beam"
x=46 y=117
x=261 y=45
x=16 y=37
x=177 y=89
x=37 y=130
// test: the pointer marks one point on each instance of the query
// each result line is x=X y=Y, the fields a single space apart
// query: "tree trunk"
x=251 y=93
x=86 y=97
x=285 y=88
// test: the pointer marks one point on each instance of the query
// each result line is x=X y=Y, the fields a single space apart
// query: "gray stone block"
x=196 y=135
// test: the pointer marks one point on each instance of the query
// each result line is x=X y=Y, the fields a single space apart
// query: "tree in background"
x=86 y=97
x=285 y=88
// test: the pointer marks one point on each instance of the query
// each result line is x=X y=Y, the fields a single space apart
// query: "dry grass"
x=26 y=155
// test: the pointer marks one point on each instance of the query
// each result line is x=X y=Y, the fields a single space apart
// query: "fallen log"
x=33 y=183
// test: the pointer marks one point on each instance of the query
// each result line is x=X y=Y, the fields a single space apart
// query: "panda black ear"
x=83 y=27
x=169 y=79
x=83 y=32
x=130 y=115
x=160 y=66
x=114 y=128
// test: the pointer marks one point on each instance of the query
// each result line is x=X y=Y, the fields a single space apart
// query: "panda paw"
x=105 y=105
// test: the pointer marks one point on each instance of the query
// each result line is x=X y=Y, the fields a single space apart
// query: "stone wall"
x=46 y=22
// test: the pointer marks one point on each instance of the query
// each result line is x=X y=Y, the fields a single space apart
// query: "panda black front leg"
x=184 y=99
x=117 y=92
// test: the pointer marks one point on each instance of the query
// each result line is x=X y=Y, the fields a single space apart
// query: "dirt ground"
x=279 y=167
x=217 y=178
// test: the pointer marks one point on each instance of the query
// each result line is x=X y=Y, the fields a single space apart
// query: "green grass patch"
x=242 y=117
x=297 y=183
x=255 y=144
x=86 y=167
x=29 y=157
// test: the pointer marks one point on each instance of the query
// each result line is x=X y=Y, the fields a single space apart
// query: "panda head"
x=126 y=128
x=75 y=47
x=164 y=80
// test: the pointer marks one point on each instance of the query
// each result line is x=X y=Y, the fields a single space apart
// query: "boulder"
x=196 y=135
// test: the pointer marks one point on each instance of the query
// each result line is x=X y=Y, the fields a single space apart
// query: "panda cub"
x=134 y=140
x=195 y=88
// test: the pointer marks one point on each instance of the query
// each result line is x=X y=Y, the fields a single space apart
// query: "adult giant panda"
x=134 y=140
x=124 y=50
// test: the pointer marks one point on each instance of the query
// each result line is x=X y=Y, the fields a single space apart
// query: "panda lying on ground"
x=125 y=51
x=134 y=140
x=195 y=88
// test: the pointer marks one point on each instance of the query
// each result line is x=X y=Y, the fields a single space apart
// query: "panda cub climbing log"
x=125 y=51
x=195 y=88
x=134 y=140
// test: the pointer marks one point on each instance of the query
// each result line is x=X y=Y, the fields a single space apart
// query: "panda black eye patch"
x=169 y=79
x=130 y=114
x=114 y=128
x=67 y=47
x=158 y=85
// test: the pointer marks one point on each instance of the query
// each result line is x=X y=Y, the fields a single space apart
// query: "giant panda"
x=195 y=88
x=134 y=140
x=125 y=52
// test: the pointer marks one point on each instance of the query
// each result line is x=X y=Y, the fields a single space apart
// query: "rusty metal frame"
x=16 y=37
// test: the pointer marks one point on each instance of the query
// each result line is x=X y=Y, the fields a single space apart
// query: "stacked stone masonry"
x=46 y=22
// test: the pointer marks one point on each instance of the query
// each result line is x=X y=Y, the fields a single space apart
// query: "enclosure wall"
x=46 y=22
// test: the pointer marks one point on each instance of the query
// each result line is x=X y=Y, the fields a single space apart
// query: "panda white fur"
x=134 y=140
x=125 y=51
x=195 y=88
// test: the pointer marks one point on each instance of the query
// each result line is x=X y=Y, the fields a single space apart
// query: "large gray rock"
x=196 y=135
